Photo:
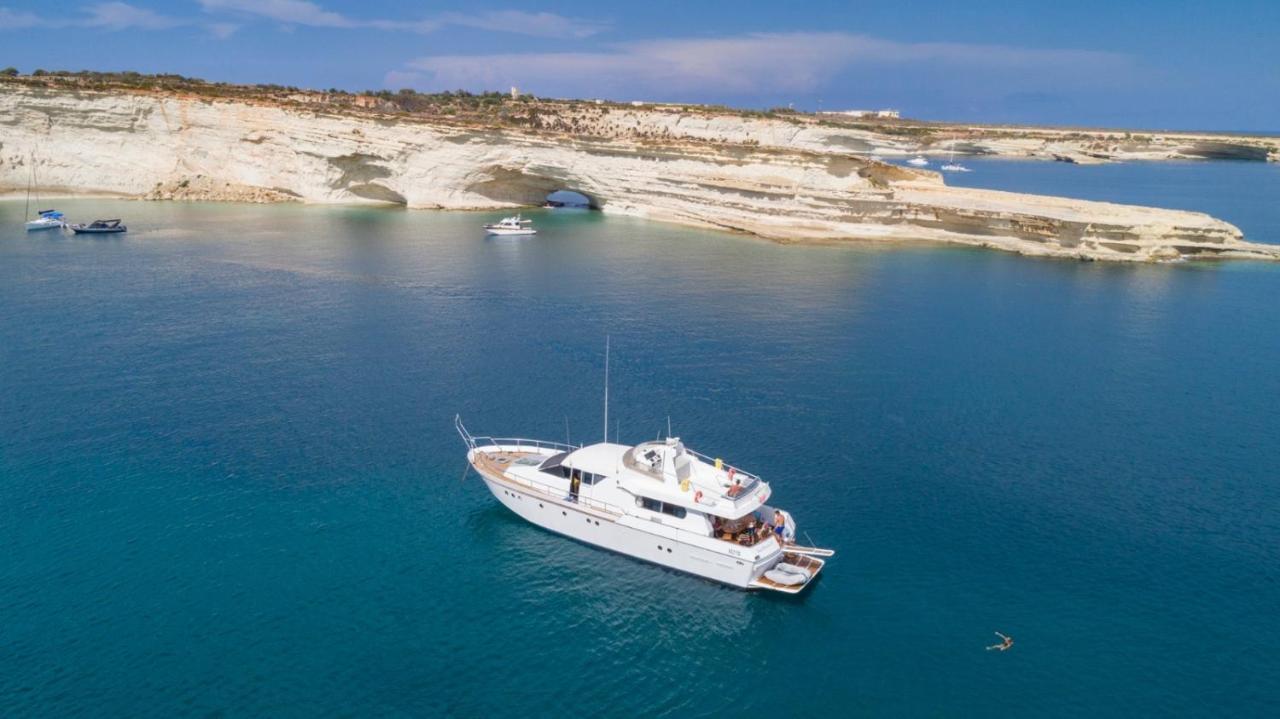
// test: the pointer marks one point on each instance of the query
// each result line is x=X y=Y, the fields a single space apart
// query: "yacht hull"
x=624 y=535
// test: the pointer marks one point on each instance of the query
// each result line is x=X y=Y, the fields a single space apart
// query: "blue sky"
x=1174 y=64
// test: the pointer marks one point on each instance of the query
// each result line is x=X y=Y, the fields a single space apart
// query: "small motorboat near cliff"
x=918 y=161
x=99 y=227
x=511 y=226
x=658 y=501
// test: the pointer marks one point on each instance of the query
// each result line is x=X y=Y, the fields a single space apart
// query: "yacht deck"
x=497 y=463
x=812 y=565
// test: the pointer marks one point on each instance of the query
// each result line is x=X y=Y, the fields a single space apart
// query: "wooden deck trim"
x=808 y=563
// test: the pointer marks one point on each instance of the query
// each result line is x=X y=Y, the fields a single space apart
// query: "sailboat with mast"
x=657 y=501
x=952 y=165
x=45 y=219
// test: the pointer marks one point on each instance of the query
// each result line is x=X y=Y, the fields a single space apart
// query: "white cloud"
x=293 y=12
x=121 y=16
x=14 y=20
x=111 y=16
x=747 y=64
x=304 y=12
x=540 y=24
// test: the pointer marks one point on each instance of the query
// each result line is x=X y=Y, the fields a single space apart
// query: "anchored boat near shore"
x=511 y=226
x=99 y=227
x=45 y=219
x=658 y=501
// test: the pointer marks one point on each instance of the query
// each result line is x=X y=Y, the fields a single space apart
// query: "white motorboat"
x=918 y=161
x=511 y=226
x=658 y=501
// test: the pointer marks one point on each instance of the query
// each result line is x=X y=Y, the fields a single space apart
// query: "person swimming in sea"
x=1004 y=644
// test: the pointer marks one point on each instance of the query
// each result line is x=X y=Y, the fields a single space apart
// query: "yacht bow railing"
x=520 y=443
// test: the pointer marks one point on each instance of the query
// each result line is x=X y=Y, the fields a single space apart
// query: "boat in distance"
x=46 y=220
x=918 y=161
x=511 y=226
x=657 y=501
x=99 y=227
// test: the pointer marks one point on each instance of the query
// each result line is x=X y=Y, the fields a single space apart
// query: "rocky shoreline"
x=809 y=181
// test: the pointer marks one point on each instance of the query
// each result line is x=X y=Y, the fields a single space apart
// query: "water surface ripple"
x=229 y=483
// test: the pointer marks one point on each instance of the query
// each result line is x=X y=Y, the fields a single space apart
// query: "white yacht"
x=658 y=501
x=511 y=226
x=918 y=161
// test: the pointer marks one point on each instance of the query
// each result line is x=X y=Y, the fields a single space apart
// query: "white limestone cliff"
x=775 y=179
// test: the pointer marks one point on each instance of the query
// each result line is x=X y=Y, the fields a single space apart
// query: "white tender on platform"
x=658 y=501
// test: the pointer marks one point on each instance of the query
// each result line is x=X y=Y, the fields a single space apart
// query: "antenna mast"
x=606 y=388
x=31 y=178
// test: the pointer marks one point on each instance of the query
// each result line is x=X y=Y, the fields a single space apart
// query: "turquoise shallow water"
x=229 y=484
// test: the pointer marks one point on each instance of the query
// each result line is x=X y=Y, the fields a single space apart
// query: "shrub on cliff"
x=9 y=72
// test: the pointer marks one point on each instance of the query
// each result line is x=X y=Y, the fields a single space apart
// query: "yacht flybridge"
x=658 y=501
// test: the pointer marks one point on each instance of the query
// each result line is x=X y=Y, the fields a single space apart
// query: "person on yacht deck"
x=779 y=524
x=736 y=488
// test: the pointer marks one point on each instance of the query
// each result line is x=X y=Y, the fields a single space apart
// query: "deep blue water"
x=229 y=483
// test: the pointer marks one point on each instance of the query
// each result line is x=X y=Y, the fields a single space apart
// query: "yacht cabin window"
x=654 y=505
x=554 y=465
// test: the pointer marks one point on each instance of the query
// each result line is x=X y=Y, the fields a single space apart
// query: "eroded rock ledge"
x=772 y=180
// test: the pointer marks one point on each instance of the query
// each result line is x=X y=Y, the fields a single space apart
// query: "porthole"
x=659 y=547
x=564 y=513
x=597 y=523
x=539 y=505
x=668 y=550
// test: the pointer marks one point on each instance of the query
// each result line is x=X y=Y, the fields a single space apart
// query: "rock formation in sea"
x=773 y=177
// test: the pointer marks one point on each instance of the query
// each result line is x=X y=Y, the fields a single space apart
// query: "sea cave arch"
x=518 y=187
x=569 y=199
